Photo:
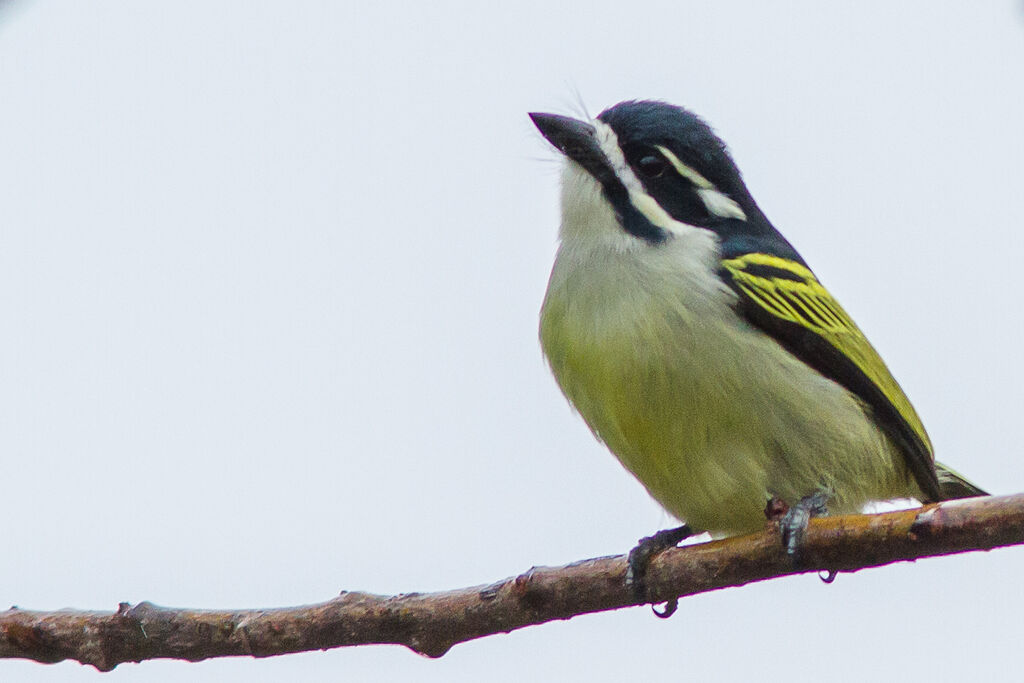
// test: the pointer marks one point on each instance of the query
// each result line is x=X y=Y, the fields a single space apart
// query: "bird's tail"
x=953 y=485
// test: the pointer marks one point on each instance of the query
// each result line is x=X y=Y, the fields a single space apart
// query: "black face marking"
x=647 y=124
x=642 y=126
x=676 y=194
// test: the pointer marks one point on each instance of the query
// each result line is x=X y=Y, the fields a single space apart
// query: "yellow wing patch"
x=793 y=294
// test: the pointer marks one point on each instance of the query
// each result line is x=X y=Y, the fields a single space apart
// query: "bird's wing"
x=784 y=299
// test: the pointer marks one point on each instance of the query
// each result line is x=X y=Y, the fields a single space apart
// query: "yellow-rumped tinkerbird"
x=700 y=347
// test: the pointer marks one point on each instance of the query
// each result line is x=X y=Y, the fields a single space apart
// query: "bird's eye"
x=651 y=166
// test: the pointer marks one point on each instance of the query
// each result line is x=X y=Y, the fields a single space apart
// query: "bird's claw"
x=794 y=522
x=640 y=558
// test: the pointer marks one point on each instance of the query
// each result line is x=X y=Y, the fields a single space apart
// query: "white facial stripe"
x=685 y=171
x=716 y=201
x=653 y=212
x=609 y=143
x=638 y=197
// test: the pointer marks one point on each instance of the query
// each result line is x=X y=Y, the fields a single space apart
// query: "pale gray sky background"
x=269 y=281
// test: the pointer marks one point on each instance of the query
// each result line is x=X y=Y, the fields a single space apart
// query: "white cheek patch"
x=721 y=204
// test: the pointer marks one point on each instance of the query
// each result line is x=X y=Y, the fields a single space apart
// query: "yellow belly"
x=711 y=416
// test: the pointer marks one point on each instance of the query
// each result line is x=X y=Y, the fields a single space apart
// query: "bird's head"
x=657 y=168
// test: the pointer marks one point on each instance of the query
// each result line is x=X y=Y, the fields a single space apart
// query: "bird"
x=700 y=347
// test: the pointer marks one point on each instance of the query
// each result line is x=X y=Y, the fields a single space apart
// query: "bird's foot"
x=640 y=559
x=793 y=522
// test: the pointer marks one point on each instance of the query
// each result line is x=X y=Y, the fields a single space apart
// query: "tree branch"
x=431 y=623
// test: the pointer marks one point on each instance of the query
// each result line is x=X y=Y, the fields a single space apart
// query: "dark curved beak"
x=577 y=140
x=569 y=135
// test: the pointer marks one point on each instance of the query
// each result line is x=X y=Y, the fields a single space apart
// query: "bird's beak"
x=570 y=136
x=577 y=140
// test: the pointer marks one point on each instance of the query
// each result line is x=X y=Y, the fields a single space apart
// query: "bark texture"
x=431 y=623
